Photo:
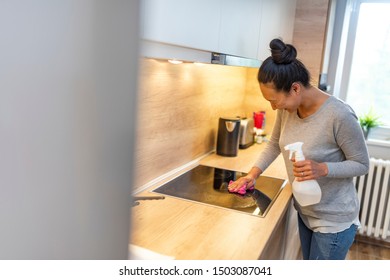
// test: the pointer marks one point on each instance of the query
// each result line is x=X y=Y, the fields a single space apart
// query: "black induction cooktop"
x=208 y=185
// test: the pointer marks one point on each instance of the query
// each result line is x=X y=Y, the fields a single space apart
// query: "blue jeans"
x=325 y=246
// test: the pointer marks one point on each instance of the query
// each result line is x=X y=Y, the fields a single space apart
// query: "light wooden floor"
x=366 y=249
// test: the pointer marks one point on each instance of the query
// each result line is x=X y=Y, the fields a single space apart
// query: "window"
x=369 y=80
x=359 y=58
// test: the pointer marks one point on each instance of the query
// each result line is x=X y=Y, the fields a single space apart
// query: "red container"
x=259 y=119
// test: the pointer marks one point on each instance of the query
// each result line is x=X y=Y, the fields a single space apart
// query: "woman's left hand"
x=309 y=170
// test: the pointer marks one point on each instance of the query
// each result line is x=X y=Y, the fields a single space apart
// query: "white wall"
x=68 y=72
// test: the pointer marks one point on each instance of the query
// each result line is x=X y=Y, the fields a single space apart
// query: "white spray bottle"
x=306 y=192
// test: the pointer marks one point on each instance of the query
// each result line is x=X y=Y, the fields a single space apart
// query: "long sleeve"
x=348 y=135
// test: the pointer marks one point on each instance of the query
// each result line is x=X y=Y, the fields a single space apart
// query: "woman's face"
x=288 y=101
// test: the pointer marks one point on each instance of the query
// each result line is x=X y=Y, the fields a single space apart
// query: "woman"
x=334 y=148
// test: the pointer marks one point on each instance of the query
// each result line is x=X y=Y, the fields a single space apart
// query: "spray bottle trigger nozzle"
x=296 y=149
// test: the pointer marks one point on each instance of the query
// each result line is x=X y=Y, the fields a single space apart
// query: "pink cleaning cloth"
x=241 y=190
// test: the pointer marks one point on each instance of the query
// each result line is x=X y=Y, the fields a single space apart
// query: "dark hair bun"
x=282 y=53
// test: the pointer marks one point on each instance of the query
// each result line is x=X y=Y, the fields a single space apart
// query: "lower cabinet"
x=284 y=243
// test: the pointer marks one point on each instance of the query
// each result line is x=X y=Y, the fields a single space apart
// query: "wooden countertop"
x=193 y=231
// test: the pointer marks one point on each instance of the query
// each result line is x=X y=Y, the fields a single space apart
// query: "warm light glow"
x=175 y=61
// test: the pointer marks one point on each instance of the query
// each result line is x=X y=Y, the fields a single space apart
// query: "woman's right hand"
x=249 y=180
x=236 y=185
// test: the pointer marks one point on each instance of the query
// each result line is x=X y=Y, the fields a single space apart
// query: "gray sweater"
x=331 y=135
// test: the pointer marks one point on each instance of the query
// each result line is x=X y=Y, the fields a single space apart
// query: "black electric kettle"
x=228 y=136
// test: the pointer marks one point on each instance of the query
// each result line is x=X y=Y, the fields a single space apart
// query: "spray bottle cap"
x=297 y=149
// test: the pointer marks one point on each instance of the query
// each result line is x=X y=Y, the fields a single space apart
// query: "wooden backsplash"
x=179 y=107
x=309 y=34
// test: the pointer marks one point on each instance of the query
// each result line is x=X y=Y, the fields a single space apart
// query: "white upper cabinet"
x=240 y=27
x=188 y=23
x=277 y=21
x=236 y=27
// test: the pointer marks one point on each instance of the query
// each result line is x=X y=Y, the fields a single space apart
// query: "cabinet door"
x=240 y=27
x=287 y=13
x=277 y=21
x=190 y=23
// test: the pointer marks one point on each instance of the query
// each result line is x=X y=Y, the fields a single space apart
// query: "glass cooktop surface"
x=208 y=185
